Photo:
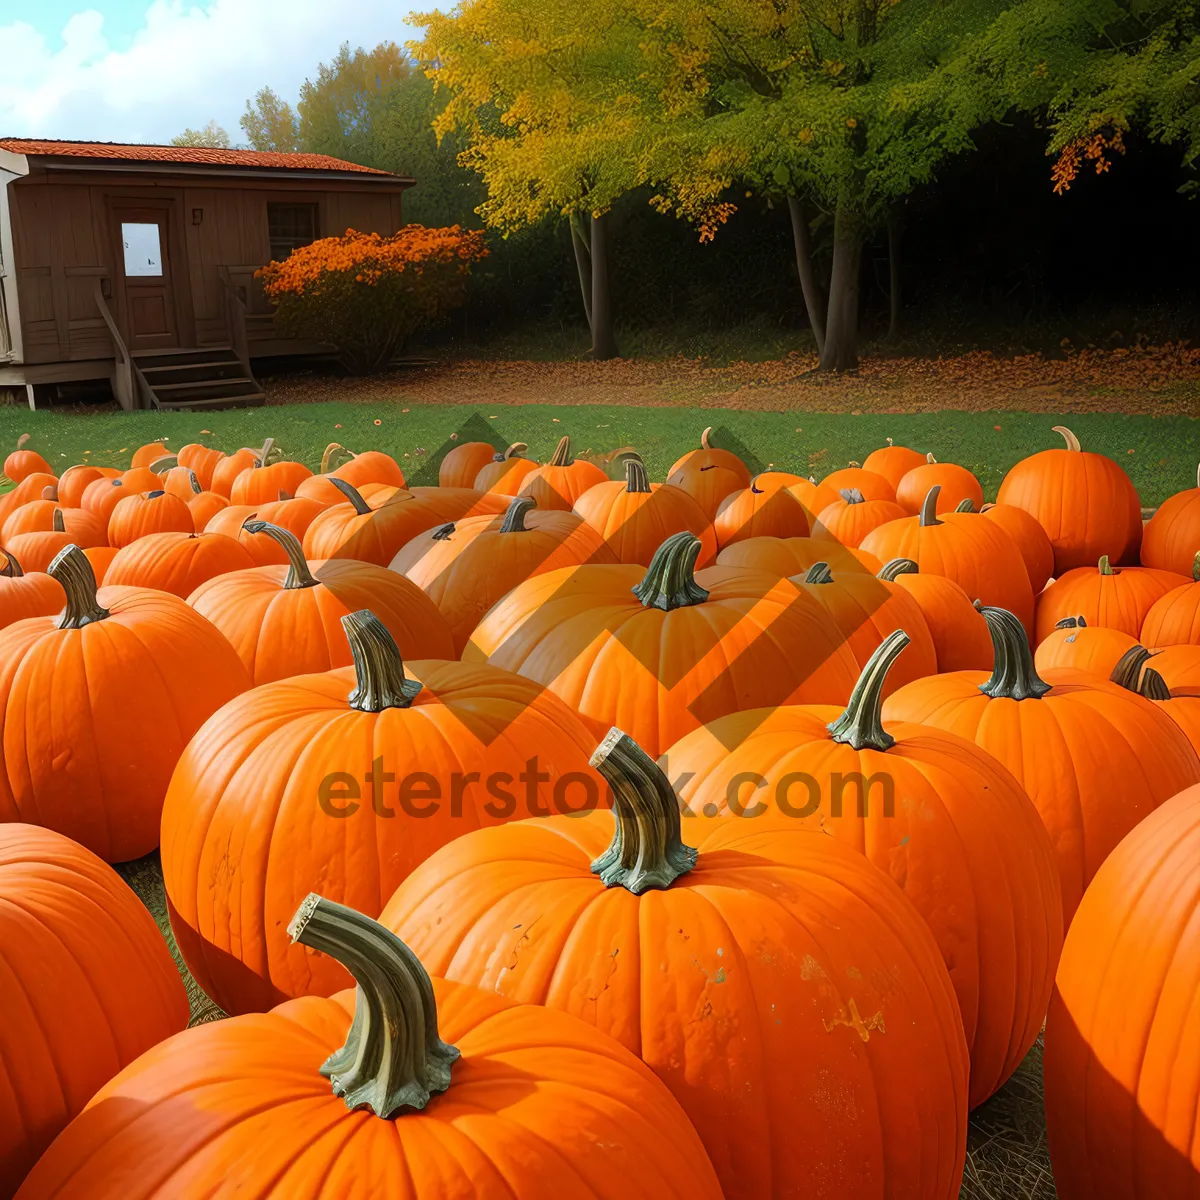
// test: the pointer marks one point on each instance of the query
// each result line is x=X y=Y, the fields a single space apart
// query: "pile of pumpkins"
x=545 y=833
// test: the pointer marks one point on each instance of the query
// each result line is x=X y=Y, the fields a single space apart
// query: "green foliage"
x=212 y=135
x=269 y=123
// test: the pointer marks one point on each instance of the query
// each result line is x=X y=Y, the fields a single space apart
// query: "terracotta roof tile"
x=198 y=155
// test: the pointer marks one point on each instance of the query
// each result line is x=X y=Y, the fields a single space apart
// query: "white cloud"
x=185 y=66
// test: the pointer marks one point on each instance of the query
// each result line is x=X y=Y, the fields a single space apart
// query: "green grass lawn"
x=1160 y=454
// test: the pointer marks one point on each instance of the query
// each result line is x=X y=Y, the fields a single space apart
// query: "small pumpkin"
x=893 y=462
x=23 y=595
x=103 y=495
x=506 y=472
x=150 y=453
x=295 y=515
x=955 y=484
x=176 y=562
x=30 y=488
x=562 y=480
x=74 y=481
x=200 y=459
x=41 y=516
x=148 y=512
x=783 y=557
x=262 y=483
x=229 y=467
x=38 y=548
x=371 y=467
x=754 y=511
x=1078 y=646
x=140 y=479
x=709 y=474
x=852 y=516
x=21 y=462
x=871 y=485
x=463 y=463
x=201 y=504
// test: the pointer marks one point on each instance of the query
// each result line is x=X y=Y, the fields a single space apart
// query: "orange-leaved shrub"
x=366 y=294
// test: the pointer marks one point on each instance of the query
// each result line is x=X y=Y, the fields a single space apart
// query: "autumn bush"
x=368 y=294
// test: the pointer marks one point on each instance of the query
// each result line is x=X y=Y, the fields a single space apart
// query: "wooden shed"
x=136 y=263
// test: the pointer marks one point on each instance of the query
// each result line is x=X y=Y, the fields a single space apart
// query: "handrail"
x=123 y=377
x=235 y=318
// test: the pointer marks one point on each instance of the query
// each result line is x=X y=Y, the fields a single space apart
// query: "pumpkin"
x=1094 y=758
x=1084 y=502
x=176 y=562
x=518 y=1101
x=1182 y=708
x=124 y=676
x=357 y=469
x=1078 y=646
x=23 y=595
x=74 y=481
x=148 y=512
x=955 y=485
x=783 y=557
x=30 y=488
x=1119 y=598
x=228 y=468
x=635 y=517
x=103 y=495
x=38 y=548
x=355 y=529
x=294 y=515
x=1030 y=538
x=852 y=516
x=285 y=759
x=736 y=966
x=200 y=459
x=150 y=453
x=893 y=462
x=21 y=462
x=465 y=567
x=1174 y=618
x=872 y=486
x=140 y=479
x=949 y=824
x=286 y=620
x=709 y=474
x=101 y=558
x=1120 y=1070
x=759 y=512
x=1171 y=538
x=978 y=555
x=41 y=516
x=506 y=472
x=463 y=463
x=263 y=482
x=1180 y=668
x=88 y=986
x=960 y=635
x=562 y=480
x=661 y=650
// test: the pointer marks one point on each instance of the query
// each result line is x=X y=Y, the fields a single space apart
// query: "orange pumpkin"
x=1132 y=673
x=148 y=512
x=262 y=483
x=784 y=557
x=709 y=474
x=286 y=620
x=41 y=516
x=1094 y=758
x=1078 y=646
x=204 y=506
x=101 y=558
x=22 y=463
x=465 y=567
x=1120 y=1076
x=74 y=481
x=30 y=488
x=360 y=470
x=200 y=459
x=286 y=759
x=759 y=512
x=141 y=479
x=549 y=1104
x=151 y=452
x=852 y=516
x=1171 y=538
x=635 y=517
x=122 y=676
x=956 y=484
x=38 y=548
x=506 y=472
x=23 y=595
x=1084 y=501
x=88 y=986
x=562 y=480
x=893 y=462
x=1174 y=619
x=1180 y=668
x=609 y=640
x=464 y=462
x=102 y=495
x=872 y=486
x=960 y=635
x=791 y=945
x=1030 y=538
x=176 y=562
x=228 y=468
x=294 y=515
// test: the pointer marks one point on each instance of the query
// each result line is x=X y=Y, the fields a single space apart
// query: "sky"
x=144 y=70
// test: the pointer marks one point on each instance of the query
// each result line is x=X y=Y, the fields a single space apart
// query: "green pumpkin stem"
x=929 y=507
x=562 y=453
x=893 y=569
x=647 y=849
x=852 y=495
x=1105 y=567
x=514 y=515
x=73 y=570
x=12 y=568
x=1013 y=677
x=1079 y=622
x=965 y=505
x=636 y=478
x=670 y=579
x=514 y=451
x=861 y=725
x=393 y=1059
x=819 y=573
x=298 y=576
x=1127 y=672
x=352 y=494
x=380 y=681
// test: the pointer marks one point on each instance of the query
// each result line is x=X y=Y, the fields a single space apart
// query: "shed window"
x=290 y=226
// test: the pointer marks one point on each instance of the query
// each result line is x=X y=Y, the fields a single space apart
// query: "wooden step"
x=168 y=373
x=208 y=404
x=181 y=355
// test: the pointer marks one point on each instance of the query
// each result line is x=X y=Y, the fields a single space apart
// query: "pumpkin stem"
x=1128 y=670
x=647 y=849
x=929 y=507
x=22 y=441
x=57 y=523
x=1103 y=564
x=1196 y=567
x=11 y=568
x=194 y=480
x=73 y=570
x=929 y=458
x=380 y=681
x=1198 y=475
x=705 y=444
x=1154 y=686
x=1013 y=677
x=50 y=492
x=819 y=573
x=670 y=579
x=1068 y=437
x=852 y=495
x=514 y=515
x=443 y=533
x=514 y=451
x=284 y=494
x=890 y=442
x=1071 y=623
x=562 y=453
x=335 y=456
x=161 y=465
x=352 y=494
x=154 y=495
x=261 y=457
x=298 y=576
x=393 y=1058
x=861 y=725
x=892 y=570
x=965 y=505
x=636 y=478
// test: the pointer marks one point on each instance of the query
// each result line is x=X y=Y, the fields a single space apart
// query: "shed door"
x=149 y=299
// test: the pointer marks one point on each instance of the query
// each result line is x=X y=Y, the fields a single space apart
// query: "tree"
x=270 y=123
x=211 y=135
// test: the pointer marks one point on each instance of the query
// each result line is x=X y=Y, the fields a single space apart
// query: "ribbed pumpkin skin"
x=893 y=462
x=963 y=842
x=372 y=466
x=1092 y=649
x=783 y=557
x=466 y=573
x=36 y=551
x=739 y=985
x=201 y=459
x=1180 y=668
x=1031 y=540
x=503 y=478
x=1121 y=600
x=848 y=523
x=34 y=594
x=244 y=835
x=1173 y=619
x=141 y=479
x=1084 y=502
x=957 y=484
x=74 y=481
x=261 y=485
x=754 y=512
x=103 y=495
x=555 y=487
x=960 y=635
x=635 y=524
x=1172 y=536
x=151 y=452
x=872 y=486
x=88 y=985
x=136 y=516
x=204 y=506
x=539 y=1105
x=463 y=463
x=85 y=528
x=30 y=488
x=708 y=476
x=582 y=633
x=294 y=515
x=278 y=632
x=176 y=562
x=1095 y=758
x=1120 y=1061
x=101 y=558
x=93 y=724
x=228 y=468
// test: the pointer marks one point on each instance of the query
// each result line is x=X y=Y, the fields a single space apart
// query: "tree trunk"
x=841 y=333
x=604 y=343
x=813 y=301
x=583 y=264
x=894 y=298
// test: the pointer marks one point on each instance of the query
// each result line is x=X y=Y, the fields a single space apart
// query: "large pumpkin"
x=850 y=517
x=42 y=516
x=1174 y=619
x=709 y=474
x=1094 y=758
x=286 y=620
x=1076 y=645
x=517 y=1102
x=465 y=567
x=955 y=485
x=98 y=703
x=960 y=635
x=268 y=795
x=506 y=472
x=1030 y=538
x=148 y=512
x=872 y=486
x=1122 y=1090
x=755 y=511
x=463 y=463
x=1084 y=502
x=947 y=822
x=22 y=595
x=88 y=986
x=764 y=972
x=176 y=562
x=562 y=480
x=893 y=462
x=662 y=650
x=294 y=515
x=1171 y=538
